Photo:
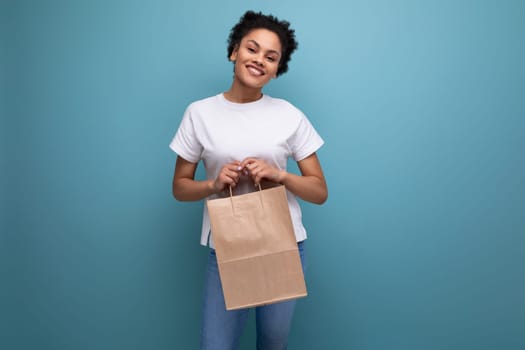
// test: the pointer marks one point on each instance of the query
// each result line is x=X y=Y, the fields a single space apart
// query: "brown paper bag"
x=256 y=249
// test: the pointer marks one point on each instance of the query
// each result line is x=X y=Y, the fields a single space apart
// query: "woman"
x=244 y=137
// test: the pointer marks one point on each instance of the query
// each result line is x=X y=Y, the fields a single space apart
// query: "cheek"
x=274 y=71
x=237 y=66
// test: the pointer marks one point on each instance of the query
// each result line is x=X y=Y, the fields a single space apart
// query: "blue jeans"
x=222 y=329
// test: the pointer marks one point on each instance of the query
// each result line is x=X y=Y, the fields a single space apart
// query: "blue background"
x=420 y=246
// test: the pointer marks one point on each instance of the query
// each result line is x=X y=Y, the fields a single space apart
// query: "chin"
x=252 y=85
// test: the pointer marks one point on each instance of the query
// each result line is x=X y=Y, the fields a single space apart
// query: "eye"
x=271 y=59
x=251 y=49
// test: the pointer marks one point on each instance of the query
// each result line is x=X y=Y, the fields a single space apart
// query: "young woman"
x=244 y=137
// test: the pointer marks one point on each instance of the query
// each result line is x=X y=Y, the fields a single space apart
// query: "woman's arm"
x=186 y=188
x=309 y=186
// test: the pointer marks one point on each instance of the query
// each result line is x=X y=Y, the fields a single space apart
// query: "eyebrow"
x=257 y=44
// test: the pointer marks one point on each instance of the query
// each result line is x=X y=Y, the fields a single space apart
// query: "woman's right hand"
x=228 y=176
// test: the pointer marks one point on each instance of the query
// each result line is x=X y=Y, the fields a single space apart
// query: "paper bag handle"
x=231 y=191
x=260 y=197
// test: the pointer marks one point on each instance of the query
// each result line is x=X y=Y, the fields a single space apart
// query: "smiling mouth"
x=254 y=71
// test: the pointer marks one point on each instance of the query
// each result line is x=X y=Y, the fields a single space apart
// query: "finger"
x=232 y=184
x=232 y=167
x=226 y=174
x=236 y=175
x=255 y=172
x=232 y=175
x=236 y=166
x=231 y=170
x=247 y=161
x=228 y=181
x=253 y=165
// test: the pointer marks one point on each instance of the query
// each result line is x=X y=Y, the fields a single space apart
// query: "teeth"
x=254 y=71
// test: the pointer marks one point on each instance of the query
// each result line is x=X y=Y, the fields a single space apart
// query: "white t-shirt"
x=218 y=131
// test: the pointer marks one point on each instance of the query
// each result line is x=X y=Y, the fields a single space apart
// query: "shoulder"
x=279 y=102
x=201 y=110
x=285 y=107
x=202 y=104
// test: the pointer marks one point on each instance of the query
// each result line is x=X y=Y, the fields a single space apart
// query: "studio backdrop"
x=420 y=103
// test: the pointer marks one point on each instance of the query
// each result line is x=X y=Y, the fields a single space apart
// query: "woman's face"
x=257 y=58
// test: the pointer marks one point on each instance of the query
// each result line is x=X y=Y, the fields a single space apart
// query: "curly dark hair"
x=256 y=20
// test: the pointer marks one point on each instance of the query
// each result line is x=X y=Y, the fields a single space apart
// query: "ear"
x=233 y=56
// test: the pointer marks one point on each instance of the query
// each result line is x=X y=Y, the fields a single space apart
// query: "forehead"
x=265 y=38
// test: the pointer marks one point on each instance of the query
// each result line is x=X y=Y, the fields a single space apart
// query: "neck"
x=239 y=94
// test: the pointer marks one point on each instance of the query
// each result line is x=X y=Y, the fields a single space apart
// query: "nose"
x=258 y=59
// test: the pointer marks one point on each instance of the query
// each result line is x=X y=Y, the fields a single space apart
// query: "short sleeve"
x=305 y=140
x=185 y=143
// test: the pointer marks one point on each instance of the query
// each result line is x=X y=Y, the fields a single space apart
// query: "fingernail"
x=239 y=168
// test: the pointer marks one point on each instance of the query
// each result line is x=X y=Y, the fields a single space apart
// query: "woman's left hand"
x=258 y=169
